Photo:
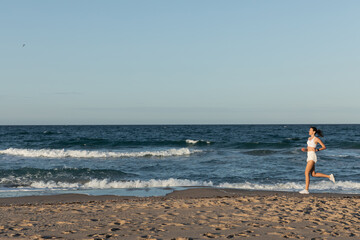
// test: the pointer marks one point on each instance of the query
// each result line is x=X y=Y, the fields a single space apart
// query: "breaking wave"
x=104 y=184
x=63 y=153
x=193 y=142
x=340 y=186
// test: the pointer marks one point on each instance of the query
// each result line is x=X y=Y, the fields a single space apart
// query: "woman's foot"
x=304 y=191
x=332 y=178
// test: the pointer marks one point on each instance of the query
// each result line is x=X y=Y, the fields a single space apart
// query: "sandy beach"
x=198 y=213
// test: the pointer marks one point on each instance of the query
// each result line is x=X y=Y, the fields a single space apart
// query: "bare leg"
x=315 y=174
x=309 y=168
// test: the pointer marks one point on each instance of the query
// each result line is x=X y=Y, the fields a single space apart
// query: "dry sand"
x=202 y=213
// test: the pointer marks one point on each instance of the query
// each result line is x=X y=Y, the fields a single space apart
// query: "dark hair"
x=317 y=131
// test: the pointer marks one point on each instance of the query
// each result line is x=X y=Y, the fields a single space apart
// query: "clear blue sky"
x=185 y=61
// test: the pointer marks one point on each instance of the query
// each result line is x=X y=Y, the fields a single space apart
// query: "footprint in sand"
x=254 y=225
x=157 y=230
x=25 y=224
x=173 y=214
x=17 y=235
x=15 y=229
x=69 y=232
x=219 y=227
x=230 y=236
x=182 y=238
x=119 y=222
x=292 y=235
x=141 y=213
x=115 y=229
x=210 y=235
x=245 y=233
x=148 y=237
x=48 y=237
x=101 y=236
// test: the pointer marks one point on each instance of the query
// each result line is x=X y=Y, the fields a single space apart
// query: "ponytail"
x=318 y=132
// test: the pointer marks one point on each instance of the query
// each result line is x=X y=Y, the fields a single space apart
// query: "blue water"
x=154 y=160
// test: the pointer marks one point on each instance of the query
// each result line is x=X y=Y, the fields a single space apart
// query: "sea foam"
x=193 y=142
x=293 y=186
x=63 y=153
x=105 y=184
x=340 y=186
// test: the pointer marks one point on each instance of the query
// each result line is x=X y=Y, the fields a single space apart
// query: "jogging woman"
x=312 y=159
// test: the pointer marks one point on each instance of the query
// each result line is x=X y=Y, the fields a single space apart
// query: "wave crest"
x=193 y=142
x=105 y=184
x=340 y=186
x=63 y=153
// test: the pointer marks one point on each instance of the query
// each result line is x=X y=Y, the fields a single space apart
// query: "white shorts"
x=311 y=156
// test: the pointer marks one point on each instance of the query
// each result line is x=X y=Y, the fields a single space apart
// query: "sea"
x=153 y=160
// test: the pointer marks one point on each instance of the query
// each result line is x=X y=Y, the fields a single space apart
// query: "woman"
x=312 y=159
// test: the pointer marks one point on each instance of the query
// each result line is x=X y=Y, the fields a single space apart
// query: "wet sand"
x=198 y=213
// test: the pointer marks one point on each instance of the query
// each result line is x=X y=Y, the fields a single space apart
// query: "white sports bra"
x=311 y=143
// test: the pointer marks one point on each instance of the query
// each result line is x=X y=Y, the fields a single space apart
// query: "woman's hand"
x=304 y=149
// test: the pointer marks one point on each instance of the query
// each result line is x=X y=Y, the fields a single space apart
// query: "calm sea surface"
x=154 y=160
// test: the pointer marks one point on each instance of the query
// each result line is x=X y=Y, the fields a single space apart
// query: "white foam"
x=340 y=186
x=63 y=153
x=18 y=190
x=292 y=186
x=105 y=184
x=189 y=141
x=256 y=186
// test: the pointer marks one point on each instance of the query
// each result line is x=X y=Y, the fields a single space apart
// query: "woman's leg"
x=315 y=174
x=309 y=168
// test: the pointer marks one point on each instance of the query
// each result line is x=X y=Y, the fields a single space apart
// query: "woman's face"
x=311 y=131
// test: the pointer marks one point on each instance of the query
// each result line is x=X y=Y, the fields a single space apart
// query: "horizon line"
x=174 y=124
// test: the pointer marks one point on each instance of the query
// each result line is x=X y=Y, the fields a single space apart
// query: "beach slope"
x=198 y=213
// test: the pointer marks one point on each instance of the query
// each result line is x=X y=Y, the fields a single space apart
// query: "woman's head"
x=314 y=130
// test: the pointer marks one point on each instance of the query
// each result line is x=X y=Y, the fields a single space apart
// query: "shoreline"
x=191 y=193
x=197 y=213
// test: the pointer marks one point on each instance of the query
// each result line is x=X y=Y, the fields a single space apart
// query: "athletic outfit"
x=311 y=156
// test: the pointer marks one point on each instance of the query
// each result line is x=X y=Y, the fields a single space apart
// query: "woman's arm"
x=318 y=140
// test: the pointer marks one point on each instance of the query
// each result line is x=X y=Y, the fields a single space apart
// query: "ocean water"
x=153 y=160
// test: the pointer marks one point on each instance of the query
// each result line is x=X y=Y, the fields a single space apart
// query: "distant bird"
x=23 y=45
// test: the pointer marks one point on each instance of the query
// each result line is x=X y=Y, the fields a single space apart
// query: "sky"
x=179 y=62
